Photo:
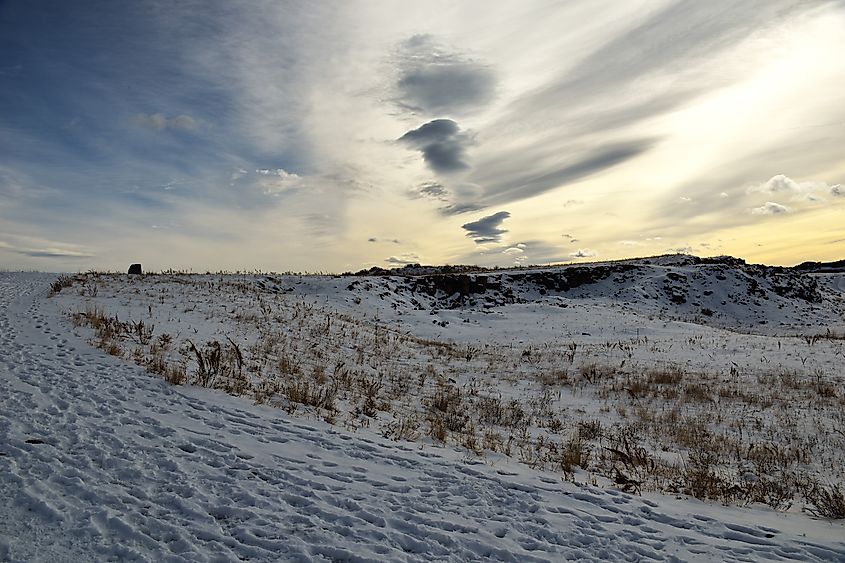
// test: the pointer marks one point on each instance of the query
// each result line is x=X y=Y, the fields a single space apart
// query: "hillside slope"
x=721 y=292
x=100 y=460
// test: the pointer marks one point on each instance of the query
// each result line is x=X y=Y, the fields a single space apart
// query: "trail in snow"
x=99 y=460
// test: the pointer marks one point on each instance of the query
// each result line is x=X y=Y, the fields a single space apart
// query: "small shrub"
x=670 y=376
x=61 y=282
x=402 y=428
x=311 y=394
x=696 y=392
x=590 y=429
x=594 y=372
x=825 y=502
x=175 y=374
x=576 y=453
x=437 y=429
x=702 y=479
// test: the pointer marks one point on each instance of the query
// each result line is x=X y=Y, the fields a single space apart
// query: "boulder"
x=135 y=269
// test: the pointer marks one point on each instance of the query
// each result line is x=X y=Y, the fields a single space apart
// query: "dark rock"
x=821 y=267
x=135 y=269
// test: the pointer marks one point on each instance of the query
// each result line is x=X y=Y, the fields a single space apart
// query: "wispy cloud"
x=41 y=248
x=507 y=181
x=160 y=122
x=279 y=181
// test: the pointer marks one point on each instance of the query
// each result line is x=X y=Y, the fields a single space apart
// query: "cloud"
x=460 y=198
x=618 y=84
x=510 y=180
x=42 y=248
x=460 y=191
x=17 y=188
x=535 y=252
x=403 y=259
x=777 y=184
x=784 y=185
x=770 y=208
x=433 y=190
x=160 y=122
x=460 y=208
x=717 y=209
x=837 y=190
x=672 y=40
x=391 y=241
x=517 y=254
x=304 y=91
x=277 y=181
x=52 y=253
x=583 y=253
x=441 y=143
x=520 y=254
x=487 y=229
x=436 y=80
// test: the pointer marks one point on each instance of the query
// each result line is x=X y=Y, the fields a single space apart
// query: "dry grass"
x=825 y=501
x=61 y=283
x=728 y=437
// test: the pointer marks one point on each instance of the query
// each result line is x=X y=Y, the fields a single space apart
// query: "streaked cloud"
x=508 y=181
x=160 y=122
x=35 y=247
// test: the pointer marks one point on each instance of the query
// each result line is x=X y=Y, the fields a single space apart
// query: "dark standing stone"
x=135 y=269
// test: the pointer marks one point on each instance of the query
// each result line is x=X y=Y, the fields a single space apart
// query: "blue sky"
x=329 y=136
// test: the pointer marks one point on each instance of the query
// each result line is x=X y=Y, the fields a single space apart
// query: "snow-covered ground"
x=101 y=460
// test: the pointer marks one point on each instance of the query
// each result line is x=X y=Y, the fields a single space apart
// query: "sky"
x=333 y=136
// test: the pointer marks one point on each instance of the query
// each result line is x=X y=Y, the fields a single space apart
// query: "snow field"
x=581 y=386
x=101 y=460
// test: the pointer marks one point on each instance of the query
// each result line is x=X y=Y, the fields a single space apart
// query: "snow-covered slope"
x=722 y=292
x=100 y=460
